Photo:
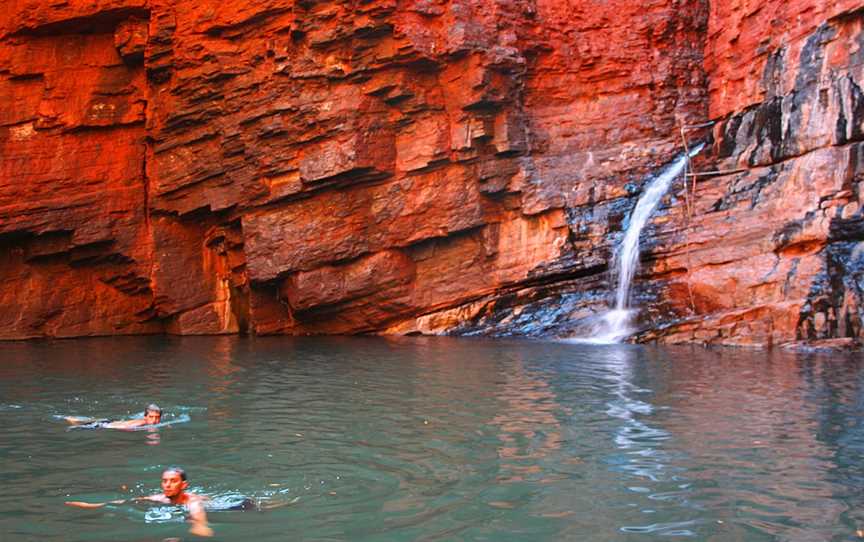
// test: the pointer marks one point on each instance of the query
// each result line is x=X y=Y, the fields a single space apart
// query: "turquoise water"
x=435 y=439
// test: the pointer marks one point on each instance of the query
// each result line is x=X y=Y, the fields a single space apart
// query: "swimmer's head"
x=174 y=481
x=152 y=414
x=180 y=471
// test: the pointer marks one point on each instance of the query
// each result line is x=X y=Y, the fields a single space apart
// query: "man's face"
x=172 y=484
x=152 y=417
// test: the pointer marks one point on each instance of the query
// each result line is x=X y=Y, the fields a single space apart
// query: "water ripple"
x=436 y=439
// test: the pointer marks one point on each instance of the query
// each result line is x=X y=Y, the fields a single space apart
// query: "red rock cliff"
x=457 y=166
x=774 y=247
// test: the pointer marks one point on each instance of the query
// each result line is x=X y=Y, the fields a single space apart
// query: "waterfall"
x=614 y=325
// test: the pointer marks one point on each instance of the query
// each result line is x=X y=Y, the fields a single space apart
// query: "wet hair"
x=178 y=470
x=153 y=407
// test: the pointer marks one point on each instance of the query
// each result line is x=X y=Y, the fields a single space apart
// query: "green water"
x=435 y=439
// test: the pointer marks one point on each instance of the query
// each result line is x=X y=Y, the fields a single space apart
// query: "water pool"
x=435 y=439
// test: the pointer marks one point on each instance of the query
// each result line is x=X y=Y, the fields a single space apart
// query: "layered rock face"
x=774 y=249
x=462 y=166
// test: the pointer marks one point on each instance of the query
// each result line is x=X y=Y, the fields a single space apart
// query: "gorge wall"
x=437 y=166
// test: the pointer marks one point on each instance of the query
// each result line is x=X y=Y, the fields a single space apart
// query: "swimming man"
x=174 y=484
x=152 y=416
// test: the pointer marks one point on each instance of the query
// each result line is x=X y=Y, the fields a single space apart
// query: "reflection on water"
x=761 y=442
x=528 y=405
x=435 y=439
x=642 y=455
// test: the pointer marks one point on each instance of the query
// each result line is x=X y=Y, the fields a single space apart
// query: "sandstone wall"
x=765 y=247
x=775 y=247
x=316 y=167
x=461 y=166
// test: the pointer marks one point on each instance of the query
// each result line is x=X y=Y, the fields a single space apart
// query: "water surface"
x=435 y=439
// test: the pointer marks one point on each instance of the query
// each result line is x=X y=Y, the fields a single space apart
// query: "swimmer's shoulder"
x=194 y=497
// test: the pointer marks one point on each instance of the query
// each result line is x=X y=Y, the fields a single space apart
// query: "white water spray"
x=614 y=326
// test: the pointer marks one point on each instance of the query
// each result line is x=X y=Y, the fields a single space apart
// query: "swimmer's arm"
x=78 y=420
x=198 y=519
x=81 y=504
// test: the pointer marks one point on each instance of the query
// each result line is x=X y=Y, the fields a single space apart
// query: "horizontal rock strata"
x=458 y=166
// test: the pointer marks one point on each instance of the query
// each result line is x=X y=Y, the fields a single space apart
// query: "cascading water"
x=614 y=325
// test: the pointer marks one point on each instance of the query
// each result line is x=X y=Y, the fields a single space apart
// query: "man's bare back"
x=152 y=416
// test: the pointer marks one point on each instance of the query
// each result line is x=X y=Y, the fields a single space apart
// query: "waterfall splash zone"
x=615 y=325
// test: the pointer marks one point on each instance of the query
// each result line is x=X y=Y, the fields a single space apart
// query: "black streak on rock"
x=772 y=75
x=810 y=67
x=767 y=127
x=857 y=109
x=840 y=130
x=727 y=142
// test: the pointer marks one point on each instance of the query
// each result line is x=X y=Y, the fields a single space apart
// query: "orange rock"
x=276 y=166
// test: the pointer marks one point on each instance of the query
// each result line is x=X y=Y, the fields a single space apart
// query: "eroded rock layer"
x=460 y=166
x=774 y=249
